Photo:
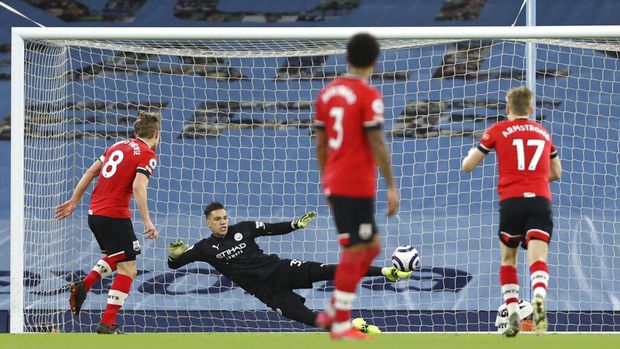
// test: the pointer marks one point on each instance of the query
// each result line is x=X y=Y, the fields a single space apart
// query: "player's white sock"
x=539 y=277
x=343 y=302
x=510 y=287
x=512 y=307
x=103 y=268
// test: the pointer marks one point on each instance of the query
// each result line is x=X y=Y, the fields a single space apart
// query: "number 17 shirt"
x=345 y=109
x=524 y=152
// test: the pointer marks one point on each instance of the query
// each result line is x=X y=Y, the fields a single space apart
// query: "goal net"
x=236 y=129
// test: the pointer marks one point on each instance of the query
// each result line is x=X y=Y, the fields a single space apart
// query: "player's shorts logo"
x=136 y=245
x=238 y=237
x=365 y=231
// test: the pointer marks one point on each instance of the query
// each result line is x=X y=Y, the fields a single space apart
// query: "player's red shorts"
x=355 y=219
x=115 y=235
x=524 y=219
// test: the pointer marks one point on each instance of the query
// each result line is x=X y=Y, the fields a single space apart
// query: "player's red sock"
x=352 y=267
x=104 y=267
x=369 y=257
x=539 y=275
x=116 y=297
x=510 y=286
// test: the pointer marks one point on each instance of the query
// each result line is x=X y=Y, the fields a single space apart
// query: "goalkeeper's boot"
x=324 y=321
x=361 y=325
x=514 y=325
x=77 y=297
x=540 y=315
x=393 y=274
x=107 y=329
x=352 y=334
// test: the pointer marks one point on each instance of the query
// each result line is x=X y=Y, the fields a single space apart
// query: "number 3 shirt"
x=524 y=152
x=345 y=109
x=114 y=188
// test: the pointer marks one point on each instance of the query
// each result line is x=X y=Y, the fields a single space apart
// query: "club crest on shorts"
x=238 y=237
x=136 y=245
x=365 y=231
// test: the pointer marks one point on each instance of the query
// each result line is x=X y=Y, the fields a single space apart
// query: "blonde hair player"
x=527 y=161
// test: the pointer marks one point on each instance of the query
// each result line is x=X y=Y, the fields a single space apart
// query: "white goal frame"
x=20 y=35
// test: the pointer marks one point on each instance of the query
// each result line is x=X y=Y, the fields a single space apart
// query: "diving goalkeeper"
x=232 y=250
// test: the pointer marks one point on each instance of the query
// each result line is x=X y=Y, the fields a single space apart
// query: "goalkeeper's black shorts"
x=291 y=274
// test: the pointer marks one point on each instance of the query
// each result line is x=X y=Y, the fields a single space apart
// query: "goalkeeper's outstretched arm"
x=180 y=254
x=285 y=227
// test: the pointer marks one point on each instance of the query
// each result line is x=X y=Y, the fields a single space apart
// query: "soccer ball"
x=405 y=258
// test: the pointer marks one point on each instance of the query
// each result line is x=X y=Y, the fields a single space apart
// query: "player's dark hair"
x=146 y=124
x=214 y=206
x=362 y=50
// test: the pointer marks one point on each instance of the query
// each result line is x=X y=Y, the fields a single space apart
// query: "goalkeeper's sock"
x=510 y=287
x=104 y=267
x=374 y=271
x=539 y=276
x=116 y=297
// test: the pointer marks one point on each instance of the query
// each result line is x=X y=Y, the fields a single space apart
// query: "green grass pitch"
x=306 y=340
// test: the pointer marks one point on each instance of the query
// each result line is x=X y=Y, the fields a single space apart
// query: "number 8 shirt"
x=345 y=109
x=114 y=188
x=524 y=150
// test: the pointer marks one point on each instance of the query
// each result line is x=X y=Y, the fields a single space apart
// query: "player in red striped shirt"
x=527 y=161
x=350 y=143
x=123 y=171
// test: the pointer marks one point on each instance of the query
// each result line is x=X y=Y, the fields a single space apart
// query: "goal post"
x=236 y=107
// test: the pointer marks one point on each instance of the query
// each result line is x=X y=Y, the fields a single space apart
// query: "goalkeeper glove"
x=176 y=249
x=393 y=274
x=303 y=221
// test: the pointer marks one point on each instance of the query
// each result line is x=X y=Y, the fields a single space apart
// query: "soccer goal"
x=237 y=105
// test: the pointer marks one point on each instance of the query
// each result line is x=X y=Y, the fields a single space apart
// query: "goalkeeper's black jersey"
x=237 y=255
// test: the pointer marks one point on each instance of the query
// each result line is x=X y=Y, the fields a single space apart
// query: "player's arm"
x=379 y=150
x=473 y=158
x=555 y=170
x=66 y=208
x=140 y=184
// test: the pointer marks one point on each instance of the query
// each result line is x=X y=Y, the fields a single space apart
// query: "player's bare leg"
x=539 y=273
